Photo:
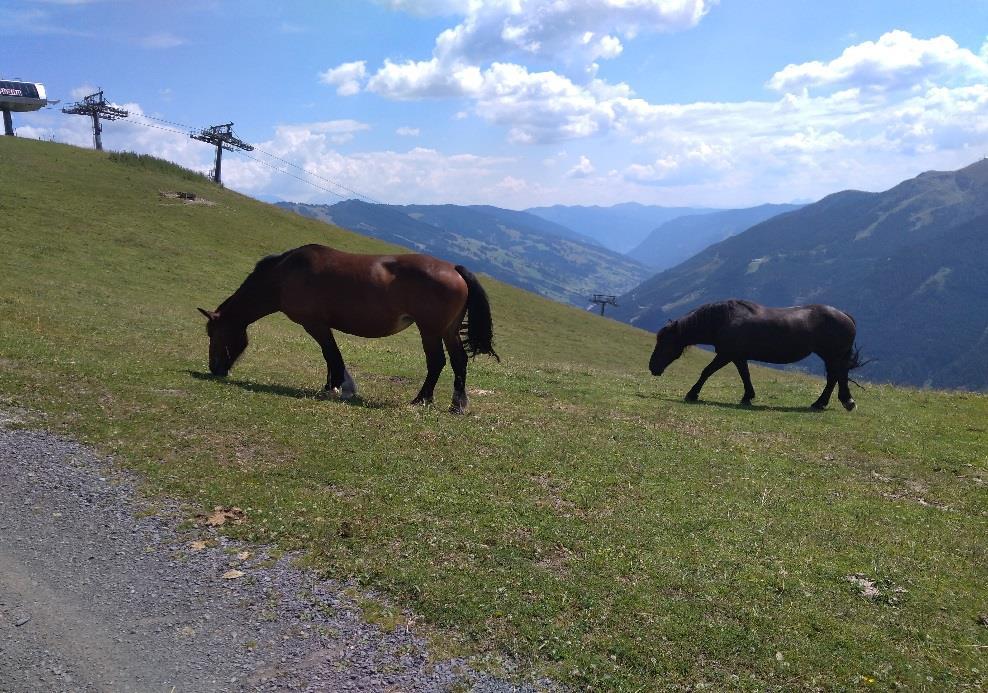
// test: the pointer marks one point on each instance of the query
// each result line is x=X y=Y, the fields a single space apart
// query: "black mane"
x=710 y=315
x=260 y=269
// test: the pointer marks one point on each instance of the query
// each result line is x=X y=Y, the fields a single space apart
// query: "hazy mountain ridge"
x=908 y=263
x=620 y=227
x=521 y=249
x=683 y=237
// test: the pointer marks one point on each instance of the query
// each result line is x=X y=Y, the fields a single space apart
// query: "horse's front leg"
x=338 y=379
x=719 y=362
x=824 y=399
x=435 y=361
x=749 y=391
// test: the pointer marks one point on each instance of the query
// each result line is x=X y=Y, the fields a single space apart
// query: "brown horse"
x=323 y=289
x=742 y=330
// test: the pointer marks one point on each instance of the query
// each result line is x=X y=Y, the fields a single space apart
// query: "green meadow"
x=581 y=519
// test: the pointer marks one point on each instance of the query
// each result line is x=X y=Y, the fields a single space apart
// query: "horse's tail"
x=854 y=360
x=477 y=331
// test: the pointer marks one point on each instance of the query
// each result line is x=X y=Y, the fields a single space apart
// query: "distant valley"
x=619 y=227
x=681 y=238
x=519 y=248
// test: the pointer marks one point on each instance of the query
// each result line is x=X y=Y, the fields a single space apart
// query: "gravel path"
x=98 y=595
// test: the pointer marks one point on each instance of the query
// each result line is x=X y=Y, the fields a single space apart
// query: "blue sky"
x=525 y=102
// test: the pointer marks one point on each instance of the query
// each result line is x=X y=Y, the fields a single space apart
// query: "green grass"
x=582 y=518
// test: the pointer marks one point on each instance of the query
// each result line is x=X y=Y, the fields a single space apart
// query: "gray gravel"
x=96 y=594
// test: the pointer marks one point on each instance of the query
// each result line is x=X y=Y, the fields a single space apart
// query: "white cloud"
x=83 y=91
x=429 y=7
x=300 y=135
x=584 y=169
x=898 y=60
x=550 y=28
x=347 y=78
x=406 y=131
x=34 y=22
x=693 y=162
x=161 y=39
x=425 y=79
x=417 y=175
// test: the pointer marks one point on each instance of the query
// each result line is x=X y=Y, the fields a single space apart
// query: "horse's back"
x=784 y=335
x=370 y=295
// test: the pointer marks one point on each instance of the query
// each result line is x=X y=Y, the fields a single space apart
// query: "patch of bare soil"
x=189 y=198
x=879 y=591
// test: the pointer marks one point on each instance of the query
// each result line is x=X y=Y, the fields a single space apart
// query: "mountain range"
x=908 y=263
x=683 y=237
x=620 y=227
x=519 y=248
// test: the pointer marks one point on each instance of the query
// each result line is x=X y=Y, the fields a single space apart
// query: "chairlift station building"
x=17 y=96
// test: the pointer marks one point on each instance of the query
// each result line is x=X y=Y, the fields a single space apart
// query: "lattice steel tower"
x=604 y=300
x=223 y=138
x=96 y=107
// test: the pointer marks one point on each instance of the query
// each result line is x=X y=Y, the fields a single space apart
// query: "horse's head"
x=669 y=346
x=226 y=342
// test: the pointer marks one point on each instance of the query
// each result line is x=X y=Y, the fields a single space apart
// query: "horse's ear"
x=210 y=315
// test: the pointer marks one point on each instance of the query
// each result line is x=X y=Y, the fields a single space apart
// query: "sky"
x=520 y=103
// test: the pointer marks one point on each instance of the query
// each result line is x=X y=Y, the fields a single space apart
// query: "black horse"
x=742 y=330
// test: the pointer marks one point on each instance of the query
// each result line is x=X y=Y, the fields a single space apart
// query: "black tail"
x=477 y=331
x=854 y=361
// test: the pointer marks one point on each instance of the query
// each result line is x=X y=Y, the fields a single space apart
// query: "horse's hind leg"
x=458 y=359
x=435 y=361
x=338 y=379
x=719 y=362
x=749 y=391
x=844 y=391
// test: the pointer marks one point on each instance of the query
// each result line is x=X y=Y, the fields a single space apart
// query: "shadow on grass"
x=737 y=405
x=284 y=390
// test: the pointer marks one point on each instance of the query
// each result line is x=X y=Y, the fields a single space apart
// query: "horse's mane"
x=266 y=263
x=260 y=269
x=709 y=315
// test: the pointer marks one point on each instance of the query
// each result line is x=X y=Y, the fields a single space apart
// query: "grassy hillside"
x=907 y=263
x=581 y=518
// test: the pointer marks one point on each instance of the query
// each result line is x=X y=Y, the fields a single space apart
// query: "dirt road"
x=96 y=594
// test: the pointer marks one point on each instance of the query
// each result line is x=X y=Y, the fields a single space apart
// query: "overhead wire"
x=163 y=120
x=290 y=175
x=320 y=177
x=292 y=164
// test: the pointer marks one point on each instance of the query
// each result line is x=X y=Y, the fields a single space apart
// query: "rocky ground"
x=98 y=593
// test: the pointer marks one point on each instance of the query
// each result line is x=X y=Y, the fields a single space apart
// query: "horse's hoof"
x=346 y=395
x=691 y=398
x=746 y=403
x=328 y=393
x=816 y=406
x=457 y=409
x=850 y=405
x=422 y=401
